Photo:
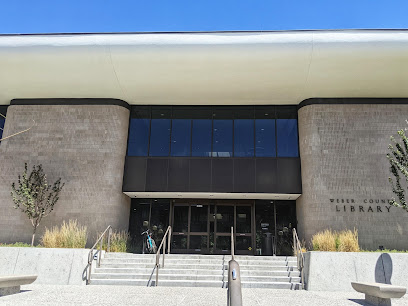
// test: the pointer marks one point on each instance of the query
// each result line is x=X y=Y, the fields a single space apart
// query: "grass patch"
x=348 y=241
x=70 y=235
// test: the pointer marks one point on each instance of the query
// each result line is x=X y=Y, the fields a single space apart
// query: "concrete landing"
x=47 y=295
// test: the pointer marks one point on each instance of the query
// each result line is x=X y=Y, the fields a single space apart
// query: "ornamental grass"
x=332 y=241
x=348 y=241
x=324 y=241
x=70 y=235
x=119 y=241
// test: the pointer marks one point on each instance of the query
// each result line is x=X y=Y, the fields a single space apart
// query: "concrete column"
x=85 y=145
x=345 y=172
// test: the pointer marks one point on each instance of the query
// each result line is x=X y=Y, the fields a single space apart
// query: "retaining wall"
x=334 y=271
x=53 y=266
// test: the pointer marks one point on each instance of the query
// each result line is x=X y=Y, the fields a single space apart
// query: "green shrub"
x=70 y=235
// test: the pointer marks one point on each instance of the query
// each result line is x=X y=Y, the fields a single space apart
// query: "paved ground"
x=166 y=296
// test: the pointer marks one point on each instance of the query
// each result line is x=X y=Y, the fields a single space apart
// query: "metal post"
x=164 y=251
x=234 y=284
x=157 y=275
x=232 y=244
x=169 y=242
x=100 y=253
x=109 y=238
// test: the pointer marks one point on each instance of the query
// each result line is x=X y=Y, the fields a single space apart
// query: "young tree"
x=34 y=196
x=398 y=159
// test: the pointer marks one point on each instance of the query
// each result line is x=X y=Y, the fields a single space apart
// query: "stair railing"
x=162 y=244
x=234 y=293
x=297 y=249
x=100 y=241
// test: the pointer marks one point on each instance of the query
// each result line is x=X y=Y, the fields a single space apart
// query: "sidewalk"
x=167 y=296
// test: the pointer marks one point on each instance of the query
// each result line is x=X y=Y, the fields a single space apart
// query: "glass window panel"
x=201 y=137
x=224 y=218
x=138 y=137
x=180 y=137
x=265 y=141
x=180 y=219
x=2 y=121
x=224 y=243
x=199 y=218
x=243 y=137
x=178 y=242
x=198 y=242
x=243 y=243
x=243 y=219
x=160 y=137
x=222 y=138
x=287 y=137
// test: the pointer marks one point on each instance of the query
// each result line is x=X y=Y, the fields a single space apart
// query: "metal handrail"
x=91 y=254
x=297 y=248
x=234 y=293
x=168 y=232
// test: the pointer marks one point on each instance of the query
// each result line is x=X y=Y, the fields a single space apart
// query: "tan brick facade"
x=85 y=145
x=345 y=172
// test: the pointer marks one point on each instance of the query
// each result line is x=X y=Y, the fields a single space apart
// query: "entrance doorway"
x=204 y=227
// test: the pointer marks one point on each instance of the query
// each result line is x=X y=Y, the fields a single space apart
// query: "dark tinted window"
x=2 y=120
x=287 y=137
x=201 y=145
x=243 y=137
x=265 y=141
x=222 y=138
x=138 y=137
x=160 y=137
x=181 y=137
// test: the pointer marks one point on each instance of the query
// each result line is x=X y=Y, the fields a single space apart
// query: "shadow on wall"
x=383 y=269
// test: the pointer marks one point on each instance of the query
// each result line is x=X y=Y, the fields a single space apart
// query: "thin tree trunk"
x=32 y=240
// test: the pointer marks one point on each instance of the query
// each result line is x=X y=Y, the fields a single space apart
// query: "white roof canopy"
x=206 y=68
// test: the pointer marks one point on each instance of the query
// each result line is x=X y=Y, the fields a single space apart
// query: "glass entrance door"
x=190 y=233
x=206 y=228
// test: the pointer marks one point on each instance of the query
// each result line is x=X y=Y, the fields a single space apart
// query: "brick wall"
x=85 y=145
x=345 y=172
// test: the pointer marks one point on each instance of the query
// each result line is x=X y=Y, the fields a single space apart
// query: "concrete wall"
x=345 y=172
x=85 y=145
x=334 y=271
x=53 y=266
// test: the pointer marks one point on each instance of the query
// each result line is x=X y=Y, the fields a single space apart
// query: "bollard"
x=234 y=284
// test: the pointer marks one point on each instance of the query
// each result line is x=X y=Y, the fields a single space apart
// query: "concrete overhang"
x=212 y=195
x=219 y=68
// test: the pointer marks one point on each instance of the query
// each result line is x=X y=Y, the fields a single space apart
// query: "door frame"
x=208 y=203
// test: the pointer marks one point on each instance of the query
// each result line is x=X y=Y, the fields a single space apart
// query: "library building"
x=260 y=131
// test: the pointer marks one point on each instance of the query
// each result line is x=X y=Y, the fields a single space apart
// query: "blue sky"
x=46 y=16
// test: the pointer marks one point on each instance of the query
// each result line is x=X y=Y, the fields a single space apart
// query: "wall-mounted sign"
x=365 y=205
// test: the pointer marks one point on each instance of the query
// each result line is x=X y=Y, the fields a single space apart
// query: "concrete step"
x=268 y=268
x=194 y=277
x=271 y=285
x=162 y=271
x=163 y=283
x=195 y=256
x=197 y=261
x=167 y=265
x=269 y=273
x=261 y=279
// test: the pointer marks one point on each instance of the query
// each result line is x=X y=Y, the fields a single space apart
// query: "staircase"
x=197 y=271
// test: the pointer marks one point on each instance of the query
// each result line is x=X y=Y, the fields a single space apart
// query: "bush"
x=70 y=235
x=331 y=241
x=324 y=241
